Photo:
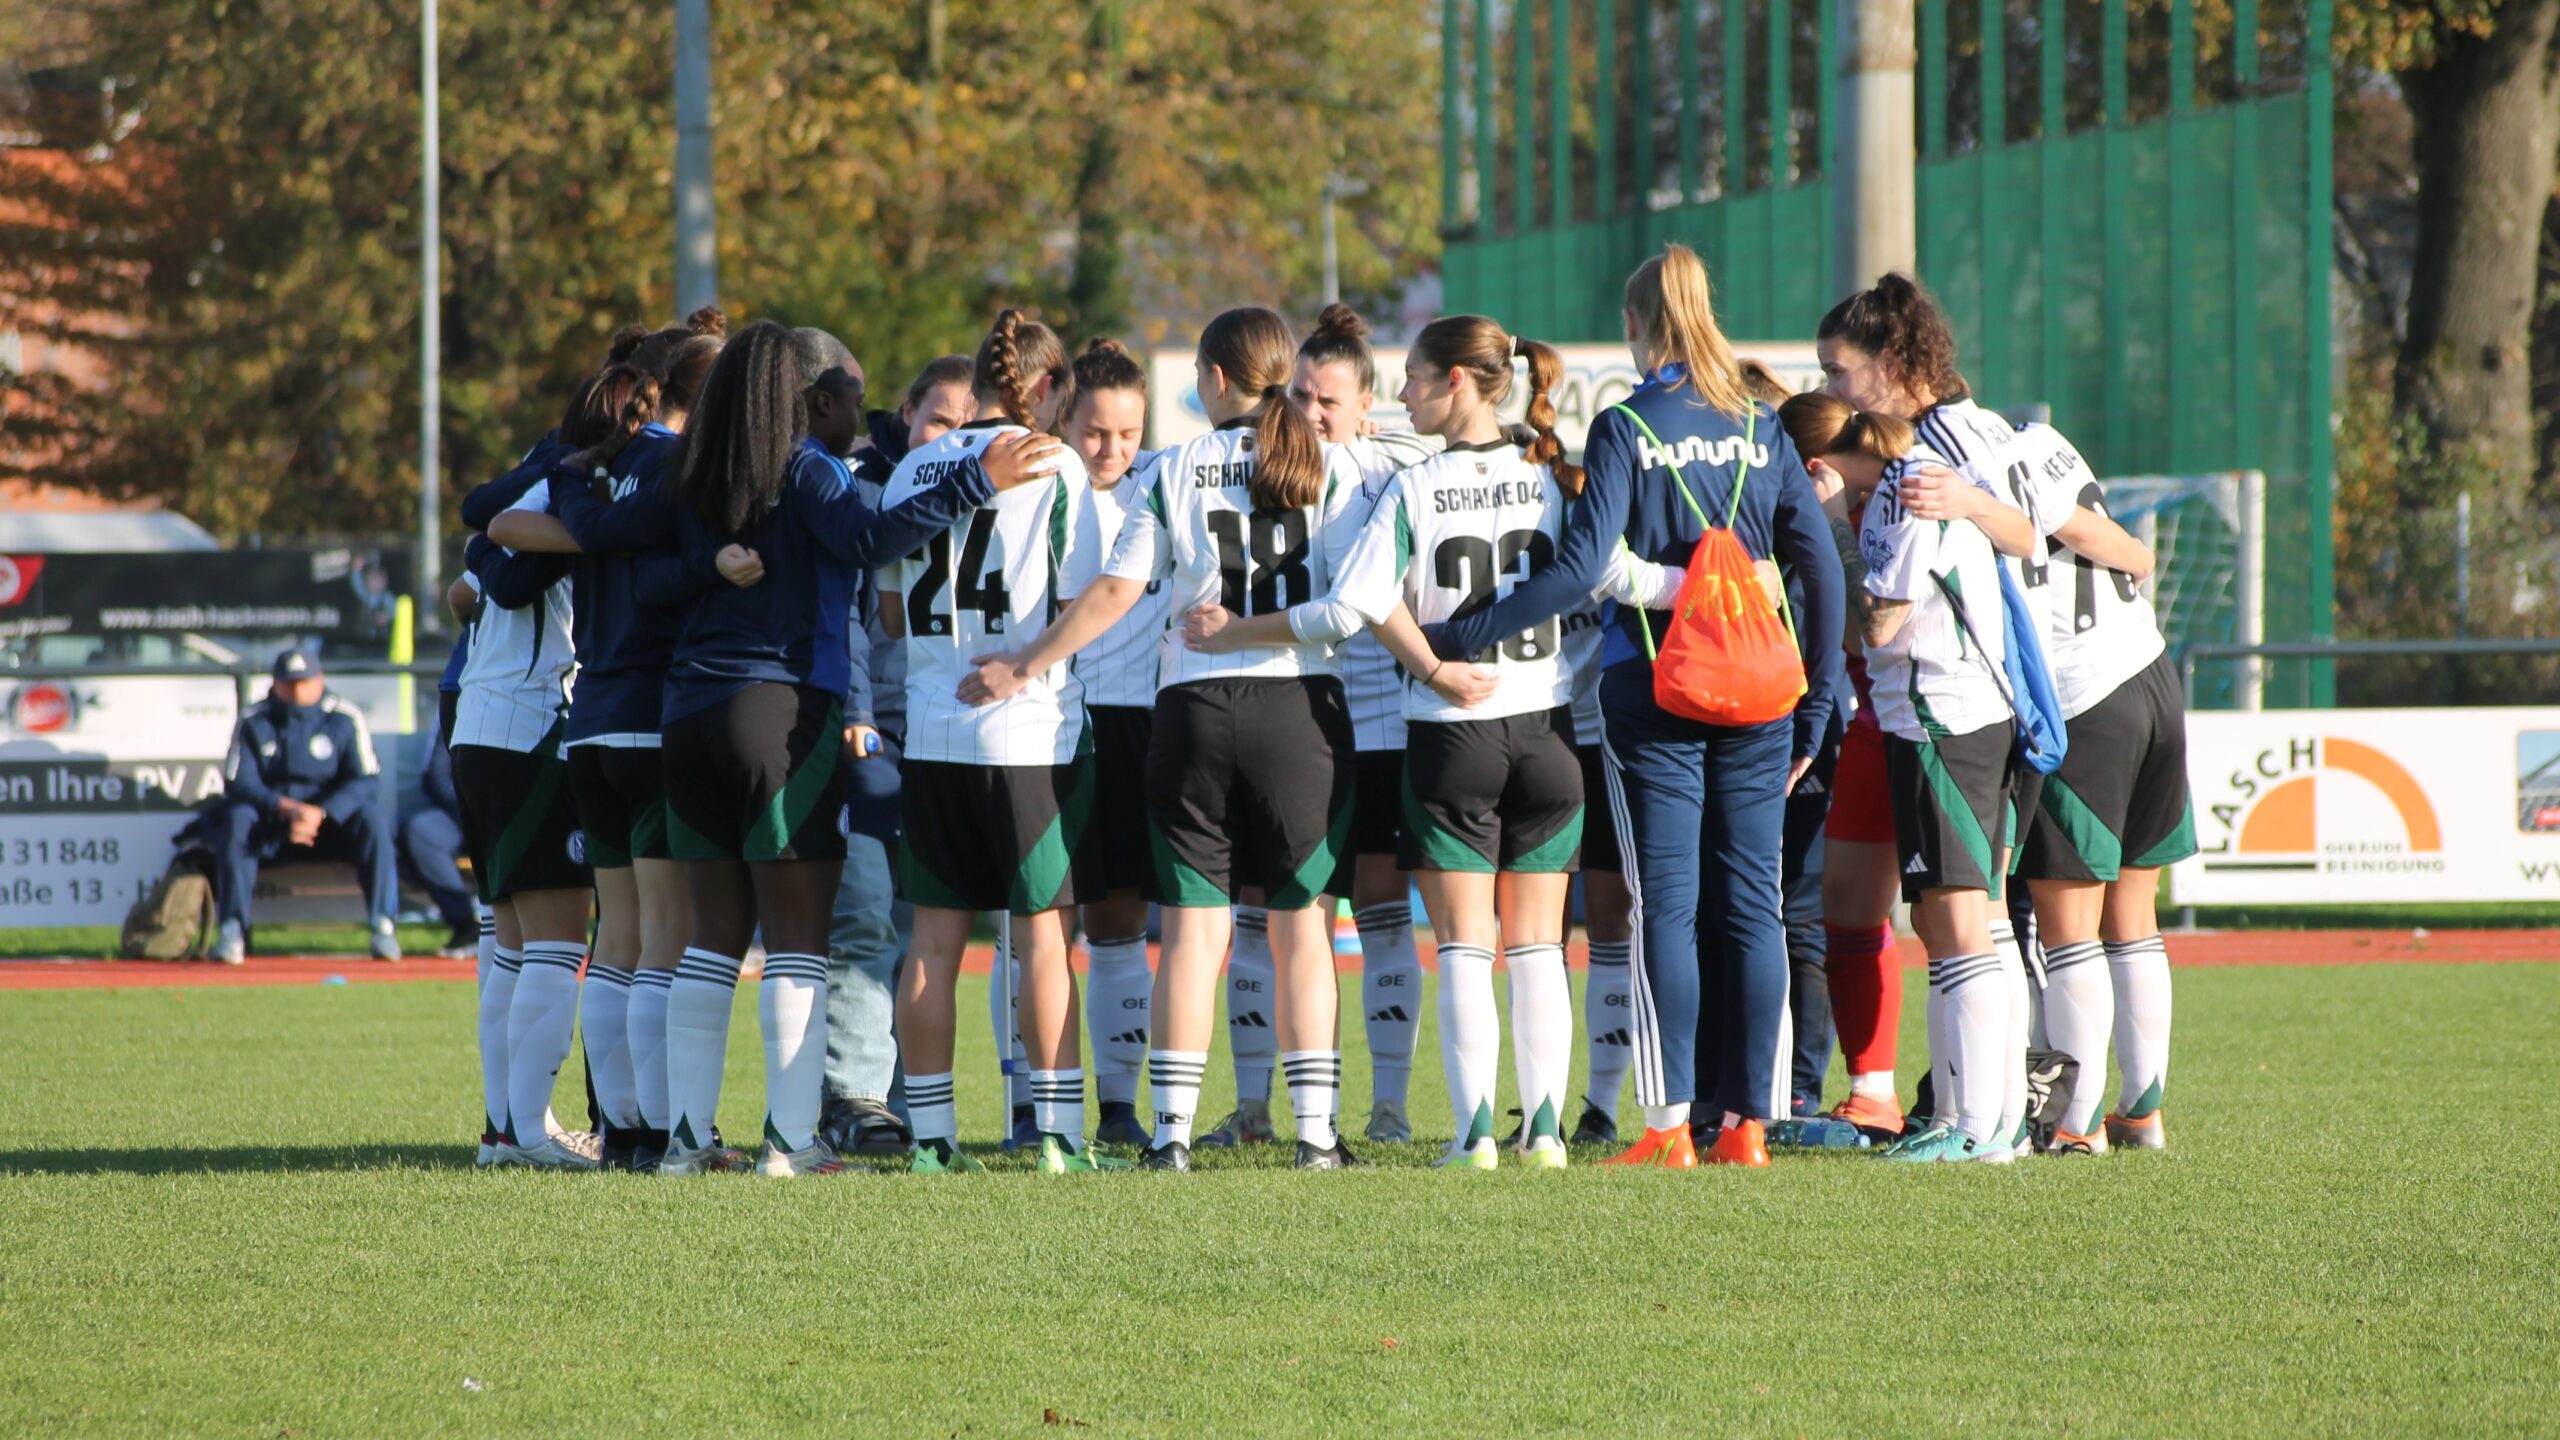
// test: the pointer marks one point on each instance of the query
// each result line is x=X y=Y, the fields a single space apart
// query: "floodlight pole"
x=697 y=248
x=430 y=582
x=1874 y=225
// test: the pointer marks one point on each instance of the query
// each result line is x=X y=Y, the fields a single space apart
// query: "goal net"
x=2209 y=532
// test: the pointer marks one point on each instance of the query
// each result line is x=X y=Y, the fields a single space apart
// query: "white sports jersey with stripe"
x=1120 y=668
x=2100 y=629
x=1372 y=683
x=515 y=684
x=1201 y=532
x=990 y=583
x=1935 y=676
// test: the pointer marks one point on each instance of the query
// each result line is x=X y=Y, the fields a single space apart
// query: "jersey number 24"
x=980 y=589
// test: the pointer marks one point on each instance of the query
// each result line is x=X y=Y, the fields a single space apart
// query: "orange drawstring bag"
x=1728 y=656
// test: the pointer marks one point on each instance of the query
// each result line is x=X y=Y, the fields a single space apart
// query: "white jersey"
x=1457 y=533
x=1372 y=682
x=1937 y=675
x=515 y=683
x=2099 y=628
x=1199 y=531
x=991 y=582
x=1120 y=668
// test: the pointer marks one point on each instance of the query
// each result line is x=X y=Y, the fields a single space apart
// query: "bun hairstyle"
x=1477 y=346
x=625 y=340
x=1017 y=351
x=1823 y=425
x=1341 y=335
x=1106 y=364
x=710 y=320
x=1253 y=348
x=738 y=444
x=1667 y=299
x=1764 y=386
x=1896 y=322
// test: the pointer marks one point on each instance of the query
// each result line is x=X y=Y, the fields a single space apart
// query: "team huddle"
x=726 y=630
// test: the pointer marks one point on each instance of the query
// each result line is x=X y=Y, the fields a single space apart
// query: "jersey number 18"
x=1262 y=560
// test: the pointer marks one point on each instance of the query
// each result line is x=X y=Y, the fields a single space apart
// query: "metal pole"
x=697 y=250
x=1875 y=224
x=2249 y=624
x=430 y=582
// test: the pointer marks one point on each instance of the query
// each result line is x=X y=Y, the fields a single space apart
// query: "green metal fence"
x=2125 y=213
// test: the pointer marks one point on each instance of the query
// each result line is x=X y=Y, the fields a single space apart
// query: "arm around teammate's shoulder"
x=1594 y=525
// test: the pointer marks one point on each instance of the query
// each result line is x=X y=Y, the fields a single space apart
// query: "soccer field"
x=250 y=1212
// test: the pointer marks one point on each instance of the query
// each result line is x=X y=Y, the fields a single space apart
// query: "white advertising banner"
x=96 y=779
x=1595 y=378
x=2373 y=806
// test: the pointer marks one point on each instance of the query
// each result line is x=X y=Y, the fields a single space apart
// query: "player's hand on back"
x=740 y=566
x=1020 y=457
x=1934 y=492
x=996 y=677
x=1209 y=629
x=1464 y=684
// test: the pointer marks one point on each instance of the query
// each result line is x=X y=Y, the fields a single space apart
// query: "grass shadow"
x=234 y=1159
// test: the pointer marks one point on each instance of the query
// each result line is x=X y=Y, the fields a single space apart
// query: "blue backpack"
x=2028 y=682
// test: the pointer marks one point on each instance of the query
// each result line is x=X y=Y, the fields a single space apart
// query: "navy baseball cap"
x=296 y=664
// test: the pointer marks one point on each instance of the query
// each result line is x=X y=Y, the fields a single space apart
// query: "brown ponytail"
x=1823 y=425
x=1253 y=349
x=1477 y=345
x=1546 y=373
x=1667 y=299
x=1896 y=322
x=1016 y=350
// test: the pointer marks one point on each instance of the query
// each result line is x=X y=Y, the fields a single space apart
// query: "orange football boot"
x=1671 y=1149
x=1880 y=1119
x=1743 y=1144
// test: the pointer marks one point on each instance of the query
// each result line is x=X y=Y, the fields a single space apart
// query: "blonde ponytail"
x=1667 y=297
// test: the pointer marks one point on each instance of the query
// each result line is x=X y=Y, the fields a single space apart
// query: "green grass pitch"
x=248 y=1212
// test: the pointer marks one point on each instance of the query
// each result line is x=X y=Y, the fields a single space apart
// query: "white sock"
x=1969 y=1000
x=541 y=1023
x=1173 y=1081
x=2013 y=973
x=1250 y=1035
x=1390 y=997
x=1117 y=992
x=930 y=1113
x=604 y=1013
x=1874 y=1085
x=1315 y=1092
x=1541 y=1035
x=499 y=968
x=1664 y=1117
x=646 y=1023
x=1608 y=1025
x=2140 y=970
x=1057 y=1103
x=1004 y=992
x=697 y=1043
x=2079 y=1010
x=791 y=1004
x=1470 y=1038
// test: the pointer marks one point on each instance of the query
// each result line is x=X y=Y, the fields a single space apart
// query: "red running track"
x=2255 y=947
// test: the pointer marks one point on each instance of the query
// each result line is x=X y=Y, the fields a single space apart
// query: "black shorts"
x=1377 y=809
x=758 y=776
x=995 y=837
x=2120 y=798
x=518 y=821
x=448 y=706
x=1599 y=830
x=1249 y=783
x=1949 y=794
x=622 y=803
x=1117 y=833
x=1482 y=796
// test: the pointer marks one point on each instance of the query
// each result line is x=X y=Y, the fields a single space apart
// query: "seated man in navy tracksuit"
x=302 y=783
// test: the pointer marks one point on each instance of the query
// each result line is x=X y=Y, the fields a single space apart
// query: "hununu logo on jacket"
x=1699 y=450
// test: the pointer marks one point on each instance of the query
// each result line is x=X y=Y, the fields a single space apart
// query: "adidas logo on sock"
x=1130 y=1037
x=1249 y=1020
x=1916 y=867
x=1618 y=1037
x=1392 y=1012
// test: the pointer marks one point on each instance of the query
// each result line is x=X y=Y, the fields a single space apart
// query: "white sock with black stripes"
x=604 y=1013
x=1391 y=997
x=791 y=1004
x=2140 y=972
x=1117 y=991
x=1608 y=1021
x=931 y=1115
x=1541 y=1036
x=646 y=1023
x=2013 y=971
x=499 y=968
x=1057 y=1104
x=2079 y=1010
x=1969 y=1005
x=1173 y=1079
x=698 y=1043
x=1470 y=1038
x=1315 y=1092
x=541 y=1023
x=1250 y=1036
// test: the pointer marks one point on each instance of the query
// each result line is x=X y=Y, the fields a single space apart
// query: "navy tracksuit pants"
x=1701 y=814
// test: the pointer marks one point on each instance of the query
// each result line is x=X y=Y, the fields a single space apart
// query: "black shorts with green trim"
x=1949 y=795
x=1599 y=840
x=1123 y=857
x=996 y=837
x=1250 y=782
x=518 y=821
x=1482 y=796
x=2120 y=798
x=622 y=803
x=1377 y=814
x=757 y=776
